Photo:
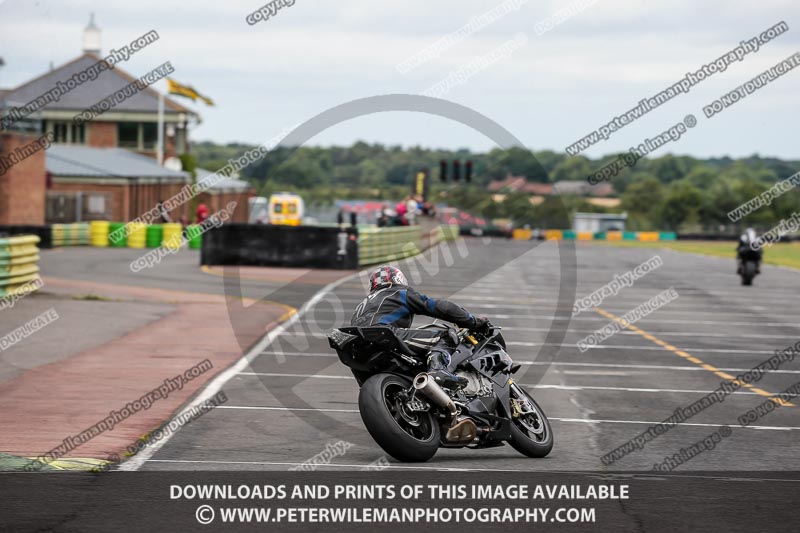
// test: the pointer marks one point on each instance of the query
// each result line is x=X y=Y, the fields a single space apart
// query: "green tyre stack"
x=123 y=241
x=154 y=236
x=195 y=235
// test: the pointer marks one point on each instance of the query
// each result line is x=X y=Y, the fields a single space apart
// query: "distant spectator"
x=411 y=210
x=165 y=218
x=201 y=214
x=402 y=209
x=383 y=219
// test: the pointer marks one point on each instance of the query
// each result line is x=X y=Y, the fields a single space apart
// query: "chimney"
x=91 y=38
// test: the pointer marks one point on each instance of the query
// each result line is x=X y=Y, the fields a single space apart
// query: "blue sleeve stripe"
x=431 y=305
x=393 y=317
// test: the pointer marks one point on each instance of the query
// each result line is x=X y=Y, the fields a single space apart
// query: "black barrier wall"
x=45 y=233
x=286 y=246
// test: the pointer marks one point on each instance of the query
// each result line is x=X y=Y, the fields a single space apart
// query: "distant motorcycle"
x=748 y=258
x=410 y=416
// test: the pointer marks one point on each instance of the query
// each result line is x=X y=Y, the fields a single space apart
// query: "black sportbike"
x=749 y=261
x=410 y=416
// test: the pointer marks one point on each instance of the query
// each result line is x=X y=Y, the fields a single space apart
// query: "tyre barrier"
x=122 y=242
x=19 y=264
x=172 y=235
x=450 y=232
x=137 y=235
x=641 y=236
x=154 y=235
x=99 y=233
x=194 y=234
x=77 y=234
x=522 y=234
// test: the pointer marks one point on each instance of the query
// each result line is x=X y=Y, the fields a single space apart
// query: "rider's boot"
x=437 y=369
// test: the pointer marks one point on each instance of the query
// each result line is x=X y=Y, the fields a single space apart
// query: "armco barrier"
x=19 y=258
x=378 y=245
x=285 y=246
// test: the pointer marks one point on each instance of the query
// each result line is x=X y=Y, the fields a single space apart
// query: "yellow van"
x=286 y=209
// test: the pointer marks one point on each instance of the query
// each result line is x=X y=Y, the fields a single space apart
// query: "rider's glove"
x=481 y=324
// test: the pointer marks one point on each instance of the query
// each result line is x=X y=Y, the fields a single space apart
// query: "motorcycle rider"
x=746 y=252
x=391 y=302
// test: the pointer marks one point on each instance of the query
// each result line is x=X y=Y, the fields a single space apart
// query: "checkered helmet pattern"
x=386 y=276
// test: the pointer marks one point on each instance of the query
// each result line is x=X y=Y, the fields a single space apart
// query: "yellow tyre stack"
x=137 y=235
x=99 y=233
x=19 y=268
x=173 y=236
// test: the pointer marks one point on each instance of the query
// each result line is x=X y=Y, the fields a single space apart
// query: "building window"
x=128 y=135
x=67 y=132
x=150 y=135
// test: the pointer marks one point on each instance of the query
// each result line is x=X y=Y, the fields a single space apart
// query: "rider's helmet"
x=386 y=276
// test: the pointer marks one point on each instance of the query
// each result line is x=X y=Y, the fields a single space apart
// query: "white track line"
x=556 y=419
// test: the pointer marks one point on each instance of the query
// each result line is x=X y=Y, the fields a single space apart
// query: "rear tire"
x=748 y=272
x=527 y=442
x=408 y=437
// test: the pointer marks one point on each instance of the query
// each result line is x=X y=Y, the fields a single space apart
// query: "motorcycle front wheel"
x=531 y=434
x=407 y=436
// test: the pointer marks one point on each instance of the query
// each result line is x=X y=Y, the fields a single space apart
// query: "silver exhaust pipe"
x=431 y=390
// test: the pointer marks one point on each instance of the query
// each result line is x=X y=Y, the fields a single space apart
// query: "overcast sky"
x=549 y=92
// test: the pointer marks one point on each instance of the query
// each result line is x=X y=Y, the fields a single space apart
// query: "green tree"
x=681 y=205
x=642 y=200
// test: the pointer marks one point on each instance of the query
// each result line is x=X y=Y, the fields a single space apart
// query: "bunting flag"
x=187 y=91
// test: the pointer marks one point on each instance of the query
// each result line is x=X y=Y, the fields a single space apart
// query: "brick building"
x=131 y=124
x=106 y=168
x=88 y=183
x=22 y=185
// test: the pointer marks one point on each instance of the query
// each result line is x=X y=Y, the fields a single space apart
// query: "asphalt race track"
x=295 y=397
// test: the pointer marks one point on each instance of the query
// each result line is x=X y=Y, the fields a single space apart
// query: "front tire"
x=408 y=437
x=531 y=434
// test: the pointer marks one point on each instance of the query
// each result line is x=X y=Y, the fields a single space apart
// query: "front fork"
x=519 y=401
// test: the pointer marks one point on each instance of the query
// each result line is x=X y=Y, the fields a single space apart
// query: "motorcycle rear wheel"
x=406 y=436
x=748 y=272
